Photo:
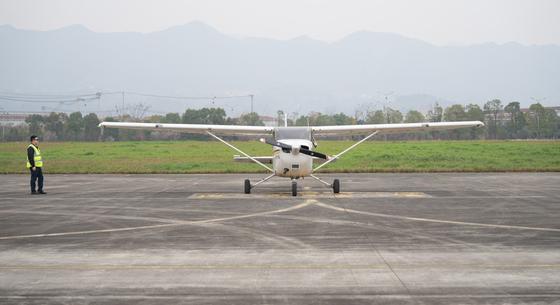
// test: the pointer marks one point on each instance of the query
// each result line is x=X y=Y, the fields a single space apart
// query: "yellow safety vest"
x=36 y=157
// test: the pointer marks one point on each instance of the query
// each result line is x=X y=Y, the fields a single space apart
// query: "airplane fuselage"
x=292 y=164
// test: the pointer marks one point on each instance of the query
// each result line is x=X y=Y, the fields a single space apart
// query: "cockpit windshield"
x=282 y=133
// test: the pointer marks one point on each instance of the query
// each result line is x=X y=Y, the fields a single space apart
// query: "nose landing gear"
x=294 y=187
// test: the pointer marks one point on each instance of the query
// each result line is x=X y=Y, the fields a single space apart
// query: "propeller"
x=288 y=148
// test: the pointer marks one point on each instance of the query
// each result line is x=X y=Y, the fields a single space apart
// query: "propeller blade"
x=313 y=153
x=288 y=148
x=285 y=147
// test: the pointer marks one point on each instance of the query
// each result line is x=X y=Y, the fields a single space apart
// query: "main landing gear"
x=247 y=186
x=335 y=185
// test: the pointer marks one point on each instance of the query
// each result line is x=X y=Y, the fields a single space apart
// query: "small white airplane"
x=292 y=154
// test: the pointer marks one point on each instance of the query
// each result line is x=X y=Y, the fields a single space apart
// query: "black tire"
x=294 y=188
x=336 y=186
x=247 y=186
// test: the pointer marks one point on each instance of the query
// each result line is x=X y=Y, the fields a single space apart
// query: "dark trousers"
x=36 y=174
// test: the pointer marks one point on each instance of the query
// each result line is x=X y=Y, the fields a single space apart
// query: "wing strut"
x=346 y=150
x=240 y=151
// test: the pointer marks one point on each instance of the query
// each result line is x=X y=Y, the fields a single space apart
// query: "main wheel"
x=336 y=186
x=247 y=186
x=294 y=188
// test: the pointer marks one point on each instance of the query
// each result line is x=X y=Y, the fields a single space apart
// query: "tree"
x=171 y=118
x=455 y=113
x=91 y=129
x=550 y=124
x=393 y=116
x=343 y=119
x=492 y=110
x=280 y=118
x=535 y=116
x=515 y=128
x=435 y=114
x=110 y=134
x=36 y=123
x=302 y=120
x=543 y=123
x=204 y=116
x=74 y=126
x=414 y=116
x=377 y=117
x=251 y=119
x=319 y=119
x=475 y=113
x=54 y=125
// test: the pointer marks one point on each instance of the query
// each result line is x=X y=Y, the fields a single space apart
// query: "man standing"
x=35 y=165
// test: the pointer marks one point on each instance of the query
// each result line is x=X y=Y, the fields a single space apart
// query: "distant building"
x=504 y=116
x=555 y=108
x=13 y=119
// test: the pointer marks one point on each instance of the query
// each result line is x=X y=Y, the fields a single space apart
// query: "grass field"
x=214 y=157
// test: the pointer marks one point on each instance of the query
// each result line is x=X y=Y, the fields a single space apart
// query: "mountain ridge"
x=302 y=73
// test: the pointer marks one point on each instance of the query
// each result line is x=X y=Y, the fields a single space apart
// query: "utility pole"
x=538 y=100
x=122 y=109
x=386 y=97
x=98 y=96
x=385 y=108
x=3 y=127
x=251 y=95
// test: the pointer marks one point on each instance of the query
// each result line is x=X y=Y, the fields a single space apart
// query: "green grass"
x=214 y=157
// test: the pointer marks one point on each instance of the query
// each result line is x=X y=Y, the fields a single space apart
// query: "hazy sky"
x=437 y=21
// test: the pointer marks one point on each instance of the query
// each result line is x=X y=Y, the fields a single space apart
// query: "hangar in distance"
x=293 y=153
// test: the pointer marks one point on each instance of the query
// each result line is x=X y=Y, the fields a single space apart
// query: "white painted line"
x=229 y=297
x=182 y=223
x=476 y=224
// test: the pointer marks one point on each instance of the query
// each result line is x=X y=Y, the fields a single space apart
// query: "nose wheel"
x=294 y=188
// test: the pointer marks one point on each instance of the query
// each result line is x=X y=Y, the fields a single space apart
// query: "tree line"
x=502 y=122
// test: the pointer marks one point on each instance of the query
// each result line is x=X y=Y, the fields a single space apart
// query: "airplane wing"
x=390 y=128
x=193 y=128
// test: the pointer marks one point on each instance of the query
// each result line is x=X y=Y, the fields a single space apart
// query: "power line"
x=23 y=100
x=187 y=97
x=67 y=98
x=46 y=96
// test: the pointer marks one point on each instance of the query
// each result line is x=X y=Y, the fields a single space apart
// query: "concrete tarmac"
x=387 y=238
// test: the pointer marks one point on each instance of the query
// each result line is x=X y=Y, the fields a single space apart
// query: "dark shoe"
x=42 y=193
x=34 y=193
